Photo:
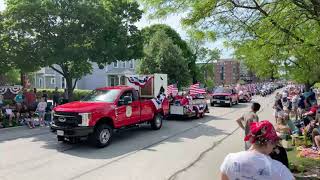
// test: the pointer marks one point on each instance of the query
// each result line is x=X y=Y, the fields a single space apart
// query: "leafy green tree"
x=272 y=37
x=150 y=31
x=204 y=56
x=10 y=77
x=71 y=34
x=4 y=63
x=162 y=55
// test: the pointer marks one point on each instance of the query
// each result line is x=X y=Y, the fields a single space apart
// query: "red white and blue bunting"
x=12 y=89
x=139 y=81
x=158 y=101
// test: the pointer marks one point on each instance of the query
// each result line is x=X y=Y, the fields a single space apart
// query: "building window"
x=40 y=83
x=63 y=83
x=53 y=80
x=113 y=80
x=115 y=64
x=222 y=73
x=131 y=64
x=123 y=80
x=123 y=64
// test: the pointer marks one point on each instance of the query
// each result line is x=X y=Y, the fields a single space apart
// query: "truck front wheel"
x=102 y=136
x=156 y=123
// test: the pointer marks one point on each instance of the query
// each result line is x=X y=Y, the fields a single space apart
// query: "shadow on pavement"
x=130 y=141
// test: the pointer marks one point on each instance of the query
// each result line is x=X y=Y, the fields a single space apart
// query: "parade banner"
x=158 y=101
x=12 y=89
x=139 y=81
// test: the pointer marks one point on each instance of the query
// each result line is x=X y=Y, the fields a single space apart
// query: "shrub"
x=77 y=93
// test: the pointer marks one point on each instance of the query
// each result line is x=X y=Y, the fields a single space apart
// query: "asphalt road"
x=182 y=149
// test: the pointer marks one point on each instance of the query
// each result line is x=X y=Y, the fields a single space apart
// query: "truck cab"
x=103 y=111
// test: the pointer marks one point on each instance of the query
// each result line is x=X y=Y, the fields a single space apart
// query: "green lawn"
x=303 y=166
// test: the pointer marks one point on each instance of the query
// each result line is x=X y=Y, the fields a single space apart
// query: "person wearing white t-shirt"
x=256 y=162
x=41 y=110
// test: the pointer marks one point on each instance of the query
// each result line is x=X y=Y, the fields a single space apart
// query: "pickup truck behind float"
x=224 y=96
x=107 y=109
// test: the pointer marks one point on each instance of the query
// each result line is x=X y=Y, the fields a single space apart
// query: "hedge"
x=77 y=93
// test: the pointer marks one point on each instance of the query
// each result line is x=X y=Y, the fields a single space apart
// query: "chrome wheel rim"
x=158 y=121
x=105 y=136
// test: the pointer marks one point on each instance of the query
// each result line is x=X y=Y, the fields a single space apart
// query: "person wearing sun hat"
x=256 y=162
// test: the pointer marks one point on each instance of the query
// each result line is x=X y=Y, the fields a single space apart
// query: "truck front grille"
x=67 y=119
x=219 y=97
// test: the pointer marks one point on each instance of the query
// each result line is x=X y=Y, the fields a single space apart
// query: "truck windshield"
x=102 y=96
x=222 y=90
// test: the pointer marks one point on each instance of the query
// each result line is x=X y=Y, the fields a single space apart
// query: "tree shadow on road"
x=127 y=142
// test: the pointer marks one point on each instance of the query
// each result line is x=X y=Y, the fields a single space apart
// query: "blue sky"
x=174 y=22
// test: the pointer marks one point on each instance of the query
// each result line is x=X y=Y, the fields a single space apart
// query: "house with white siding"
x=111 y=75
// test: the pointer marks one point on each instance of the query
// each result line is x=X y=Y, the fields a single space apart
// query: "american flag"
x=172 y=89
x=195 y=89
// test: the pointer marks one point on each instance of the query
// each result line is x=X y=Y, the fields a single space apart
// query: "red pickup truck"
x=103 y=111
x=224 y=96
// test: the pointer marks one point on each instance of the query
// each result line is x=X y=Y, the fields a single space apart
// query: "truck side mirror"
x=127 y=100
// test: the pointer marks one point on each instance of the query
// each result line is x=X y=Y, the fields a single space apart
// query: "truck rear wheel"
x=102 y=136
x=156 y=123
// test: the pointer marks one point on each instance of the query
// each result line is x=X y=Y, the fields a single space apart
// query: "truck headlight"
x=227 y=97
x=85 y=118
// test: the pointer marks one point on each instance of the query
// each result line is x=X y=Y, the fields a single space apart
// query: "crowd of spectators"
x=29 y=107
x=297 y=113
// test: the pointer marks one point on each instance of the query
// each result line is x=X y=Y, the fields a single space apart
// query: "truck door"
x=136 y=107
x=129 y=113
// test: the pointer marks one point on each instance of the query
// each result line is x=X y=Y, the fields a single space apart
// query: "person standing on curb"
x=245 y=120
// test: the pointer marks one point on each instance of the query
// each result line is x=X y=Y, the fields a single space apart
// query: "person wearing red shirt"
x=30 y=98
x=313 y=110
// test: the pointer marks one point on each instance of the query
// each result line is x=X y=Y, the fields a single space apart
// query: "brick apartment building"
x=227 y=72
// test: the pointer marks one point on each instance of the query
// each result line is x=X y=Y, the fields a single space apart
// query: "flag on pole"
x=195 y=89
x=172 y=89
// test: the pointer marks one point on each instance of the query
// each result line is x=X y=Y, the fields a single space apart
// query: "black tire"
x=101 y=136
x=212 y=104
x=156 y=123
x=60 y=138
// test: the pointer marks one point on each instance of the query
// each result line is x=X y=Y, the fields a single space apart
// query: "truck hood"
x=221 y=94
x=82 y=107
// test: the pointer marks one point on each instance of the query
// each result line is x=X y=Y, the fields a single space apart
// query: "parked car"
x=103 y=111
x=224 y=96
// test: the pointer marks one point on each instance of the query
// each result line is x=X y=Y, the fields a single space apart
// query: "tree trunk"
x=22 y=79
x=69 y=87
